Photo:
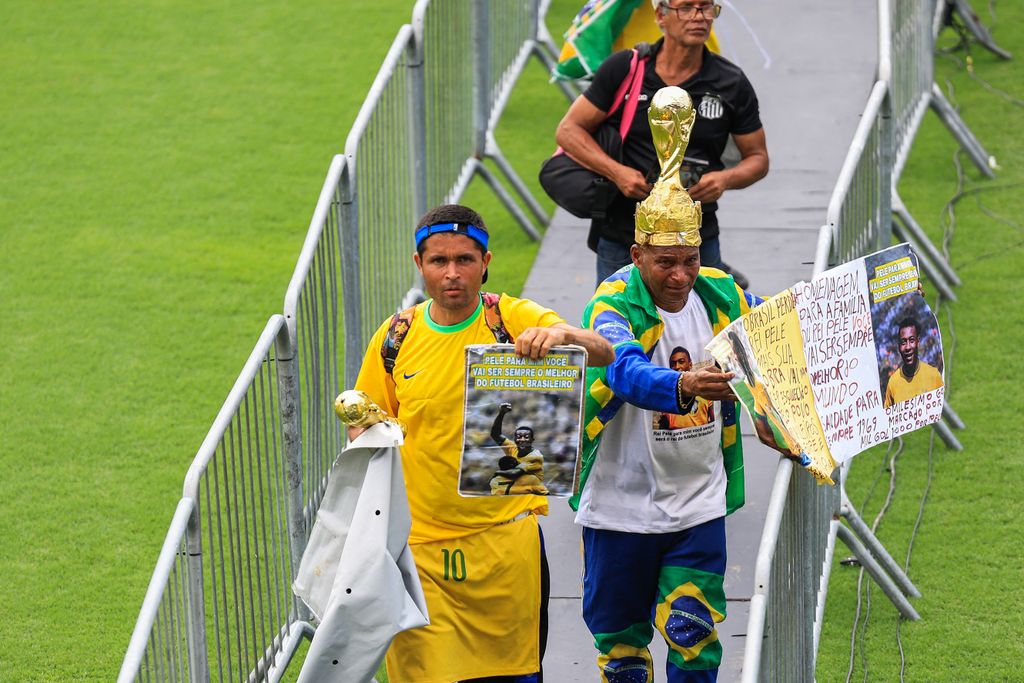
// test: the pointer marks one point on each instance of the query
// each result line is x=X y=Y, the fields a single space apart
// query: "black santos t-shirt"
x=725 y=102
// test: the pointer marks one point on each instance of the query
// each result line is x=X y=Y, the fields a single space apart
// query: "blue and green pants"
x=674 y=581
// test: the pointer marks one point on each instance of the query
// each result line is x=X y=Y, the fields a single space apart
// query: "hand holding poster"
x=522 y=421
x=850 y=359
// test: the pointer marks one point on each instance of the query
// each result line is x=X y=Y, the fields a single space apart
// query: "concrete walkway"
x=823 y=65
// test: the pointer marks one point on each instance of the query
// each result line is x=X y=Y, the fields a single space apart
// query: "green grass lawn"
x=966 y=556
x=160 y=163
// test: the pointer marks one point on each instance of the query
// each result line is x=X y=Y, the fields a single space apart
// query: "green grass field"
x=966 y=555
x=161 y=162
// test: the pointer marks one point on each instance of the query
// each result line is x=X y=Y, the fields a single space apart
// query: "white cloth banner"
x=357 y=573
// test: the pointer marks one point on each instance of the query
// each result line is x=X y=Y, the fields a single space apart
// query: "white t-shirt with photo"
x=656 y=473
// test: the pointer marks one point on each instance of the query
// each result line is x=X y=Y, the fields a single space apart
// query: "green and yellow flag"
x=603 y=27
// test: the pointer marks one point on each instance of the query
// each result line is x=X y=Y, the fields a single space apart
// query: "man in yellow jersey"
x=479 y=558
x=914 y=376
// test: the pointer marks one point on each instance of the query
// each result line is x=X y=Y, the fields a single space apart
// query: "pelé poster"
x=522 y=421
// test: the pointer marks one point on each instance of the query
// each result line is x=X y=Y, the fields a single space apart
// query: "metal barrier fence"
x=315 y=333
x=906 y=55
x=803 y=520
x=416 y=137
x=224 y=609
x=858 y=219
x=220 y=605
x=795 y=555
x=382 y=196
x=790 y=578
x=449 y=107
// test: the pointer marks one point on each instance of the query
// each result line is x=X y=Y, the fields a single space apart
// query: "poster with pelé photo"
x=521 y=433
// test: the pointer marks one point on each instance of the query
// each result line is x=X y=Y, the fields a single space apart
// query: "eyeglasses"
x=684 y=12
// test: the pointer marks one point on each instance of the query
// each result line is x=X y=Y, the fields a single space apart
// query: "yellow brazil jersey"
x=899 y=388
x=427 y=391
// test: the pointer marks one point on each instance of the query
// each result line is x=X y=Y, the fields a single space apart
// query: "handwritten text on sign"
x=835 y=320
x=774 y=332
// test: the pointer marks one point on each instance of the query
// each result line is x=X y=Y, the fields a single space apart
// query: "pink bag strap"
x=632 y=84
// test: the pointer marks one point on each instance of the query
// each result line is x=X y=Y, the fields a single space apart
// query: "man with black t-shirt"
x=726 y=105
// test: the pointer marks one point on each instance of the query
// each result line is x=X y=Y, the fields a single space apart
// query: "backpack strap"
x=400 y=324
x=402 y=321
x=632 y=84
x=492 y=316
x=641 y=55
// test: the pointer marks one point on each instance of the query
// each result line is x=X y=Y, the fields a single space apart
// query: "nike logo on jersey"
x=408 y=376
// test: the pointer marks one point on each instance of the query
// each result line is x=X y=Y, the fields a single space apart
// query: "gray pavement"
x=823 y=65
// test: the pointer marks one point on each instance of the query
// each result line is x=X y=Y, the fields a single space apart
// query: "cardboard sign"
x=848 y=360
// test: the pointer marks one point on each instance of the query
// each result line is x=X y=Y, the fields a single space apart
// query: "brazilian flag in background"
x=602 y=28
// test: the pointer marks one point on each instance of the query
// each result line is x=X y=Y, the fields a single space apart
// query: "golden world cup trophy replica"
x=668 y=217
x=356 y=409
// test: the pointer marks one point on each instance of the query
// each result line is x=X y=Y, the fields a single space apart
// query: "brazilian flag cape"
x=623 y=312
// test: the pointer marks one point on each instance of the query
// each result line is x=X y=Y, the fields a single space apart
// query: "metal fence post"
x=486 y=103
x=887 y=158
x=494 y=153
x=198 y=658
x=482 y=61
x=864 y=532
x=545 y=50
x=877 y=573
x=507 y=200
x=417 y=109
x=933 y=262
x=289 y=407
x=417 y=125
x=348 y=234
x=963 y=9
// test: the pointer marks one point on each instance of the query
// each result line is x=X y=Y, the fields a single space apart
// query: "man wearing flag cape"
x=653 y=502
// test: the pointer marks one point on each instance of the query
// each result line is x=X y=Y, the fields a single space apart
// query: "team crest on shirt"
x=711 y=107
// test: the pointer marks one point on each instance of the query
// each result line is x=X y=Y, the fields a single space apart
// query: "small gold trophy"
x=356 y=409
x=668 y=217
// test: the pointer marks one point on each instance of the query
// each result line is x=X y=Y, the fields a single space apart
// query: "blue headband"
x=467 y=229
